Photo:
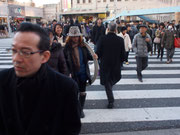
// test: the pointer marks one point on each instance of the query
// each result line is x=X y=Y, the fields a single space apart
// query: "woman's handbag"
x=157 y=40
x=177 y=42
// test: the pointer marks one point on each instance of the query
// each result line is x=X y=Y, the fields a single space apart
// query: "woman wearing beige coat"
x=127 y=43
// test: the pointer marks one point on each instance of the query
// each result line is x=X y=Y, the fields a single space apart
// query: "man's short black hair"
x=44 y=42
x=123 y=28
x=128 y=25
x=54 y=20
x=49 y=31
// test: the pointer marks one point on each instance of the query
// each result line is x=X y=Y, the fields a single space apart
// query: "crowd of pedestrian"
x=3 y=31
x=45 y=92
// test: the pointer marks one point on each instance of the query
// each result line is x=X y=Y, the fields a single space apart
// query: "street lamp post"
x=107 y=8
x=8 y=22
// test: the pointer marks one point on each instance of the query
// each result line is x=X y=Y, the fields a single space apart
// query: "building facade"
x=19 y=13
x=50 y=12
x=92 y=9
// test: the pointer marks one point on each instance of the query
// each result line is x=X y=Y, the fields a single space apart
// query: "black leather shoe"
x=82 y=114
x=140 y=79
x=110 y=105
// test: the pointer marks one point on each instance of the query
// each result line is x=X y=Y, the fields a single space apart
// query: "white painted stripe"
x=175 y=56
x=9 y=54
x=4 y=47
x=135 y=94
x=131 y=115
x=145 y=72
x=145 y=81
x=5 y=66
x=177 y=52
x=5 y=58
x=154 y=65
x=166 y=72
x=154 y=60
x=6 y=61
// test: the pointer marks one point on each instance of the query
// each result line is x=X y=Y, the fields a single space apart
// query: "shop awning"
x=151 y=11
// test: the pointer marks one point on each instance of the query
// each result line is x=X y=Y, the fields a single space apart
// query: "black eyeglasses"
x=24 y=53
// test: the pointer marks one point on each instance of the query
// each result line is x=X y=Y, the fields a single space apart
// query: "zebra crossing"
x=153 y=104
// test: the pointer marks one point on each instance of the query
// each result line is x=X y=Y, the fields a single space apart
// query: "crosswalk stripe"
x=6 y=55
x=131 y=115
x=6 y=61
x=145 y=81
x=6 y=58
x=131 y=56
x=5 y=66
x=154 y=60
x=132 y=72
x=155 y=65
x=148 y=72
x=135 y=94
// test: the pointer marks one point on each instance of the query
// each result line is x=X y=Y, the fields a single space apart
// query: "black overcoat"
x=110 y=51
x=97 y=32
x=50 y=105
x=57 y=60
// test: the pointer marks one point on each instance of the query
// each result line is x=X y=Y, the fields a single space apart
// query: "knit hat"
x=74 y=31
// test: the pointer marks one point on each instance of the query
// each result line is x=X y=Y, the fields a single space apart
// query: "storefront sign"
x=102 y=16
x=16 y=10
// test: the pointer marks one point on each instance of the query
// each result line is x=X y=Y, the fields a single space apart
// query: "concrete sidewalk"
x=151 y=132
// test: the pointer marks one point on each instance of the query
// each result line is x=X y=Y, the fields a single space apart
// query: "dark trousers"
x=170 y=53
x=160 y=50
x=109 y=92
x=142 y=63
x=155 y=46
x=126 y=56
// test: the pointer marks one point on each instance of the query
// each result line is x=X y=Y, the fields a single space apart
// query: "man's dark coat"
x=45 y=104
x=110 y=51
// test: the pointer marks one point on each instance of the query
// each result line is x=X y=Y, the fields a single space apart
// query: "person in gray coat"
x=140 y=46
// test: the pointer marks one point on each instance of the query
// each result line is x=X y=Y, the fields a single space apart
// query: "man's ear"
x=45 y=56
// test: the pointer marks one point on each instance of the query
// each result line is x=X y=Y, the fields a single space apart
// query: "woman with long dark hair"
x=77 y=57
x=58 y=34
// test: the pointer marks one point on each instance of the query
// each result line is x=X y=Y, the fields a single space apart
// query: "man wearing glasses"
x=34 y=99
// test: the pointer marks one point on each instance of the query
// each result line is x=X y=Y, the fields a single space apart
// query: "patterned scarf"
x=75 y=56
